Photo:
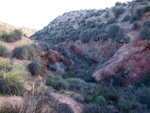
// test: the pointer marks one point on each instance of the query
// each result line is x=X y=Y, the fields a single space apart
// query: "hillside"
x=86 y=61
x=99 y=35
x=7 y=27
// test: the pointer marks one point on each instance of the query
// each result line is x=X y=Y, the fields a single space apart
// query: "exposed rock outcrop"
x=134 y=57
x=56 y=61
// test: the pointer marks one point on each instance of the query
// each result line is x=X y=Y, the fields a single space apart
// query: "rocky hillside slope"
x=104 y=35
x=87 y=61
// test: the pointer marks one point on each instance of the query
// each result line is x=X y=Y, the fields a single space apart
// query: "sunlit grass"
x=12 y=78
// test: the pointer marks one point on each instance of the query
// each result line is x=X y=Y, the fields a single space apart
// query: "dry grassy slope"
x=8 y=27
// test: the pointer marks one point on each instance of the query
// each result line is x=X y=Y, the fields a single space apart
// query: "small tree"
x=113 y=31
x=145 y=34
x=146 y=24
x=135 y=26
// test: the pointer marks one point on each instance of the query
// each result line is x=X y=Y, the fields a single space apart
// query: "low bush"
x=139 y=13
x=118 y=4
x=146 y=24
x=107 y=15
x=17 y=34
x=135 y=26
x=36 y=67
x=11 y=36
x=3 y=50
x=118 y=11
x=139 y=1
x=143 y=82
x=126 y=18
x=12 y=77
x=127 y=105
x=80 y=86
x=44 y=46
x=56 y=82
x=103 y=36
x=111 y=21
x=77 y=85
x=88 y=34
x=94 y=108
x=143 y=96
x=101 y=100
x=145 y=34
x=80 y=70
x=109 y=93
x=114 y=80
x=27 y=52
x=134 y=17
x=113 y=31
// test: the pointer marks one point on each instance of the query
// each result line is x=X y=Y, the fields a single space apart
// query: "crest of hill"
x=73 y=25
x=8 y=27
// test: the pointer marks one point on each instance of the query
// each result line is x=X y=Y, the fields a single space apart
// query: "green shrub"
x=139 y=1
x=118 y=11
x=107 y=15
x=118 y=4
x=109 y=93
x=84 y=36
x=146 y=24
x=143 y=82
x=77 y=85
x=114 y=80
x=80 y=86
x=91 y=24
x=94 y=108
x=56 y=82
x=79 y=70
x=27 y=52
x=98 y=19
x=88 y=34
x=113 y=31
x=3 y=50
x=127 y=106
x=139 y=13
x=17 y=34
x=36 y=67
x=11 y=36
x=119 y=36
x=103 y=36
x=101 y=27
x=145 y=34
x=44 y=46
x=143 y=96
x=12 y=77
x=111 y=21
x=6 y=36
x=135 y=26
x=100 y=100
x=142 y=11
x=126 y=18
x=134 y=17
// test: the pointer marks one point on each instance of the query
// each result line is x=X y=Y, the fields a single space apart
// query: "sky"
x=38 y=13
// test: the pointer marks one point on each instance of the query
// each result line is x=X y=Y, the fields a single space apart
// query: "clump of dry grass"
x=12 y=77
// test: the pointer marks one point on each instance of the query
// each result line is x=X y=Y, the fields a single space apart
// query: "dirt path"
x=65 y=98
